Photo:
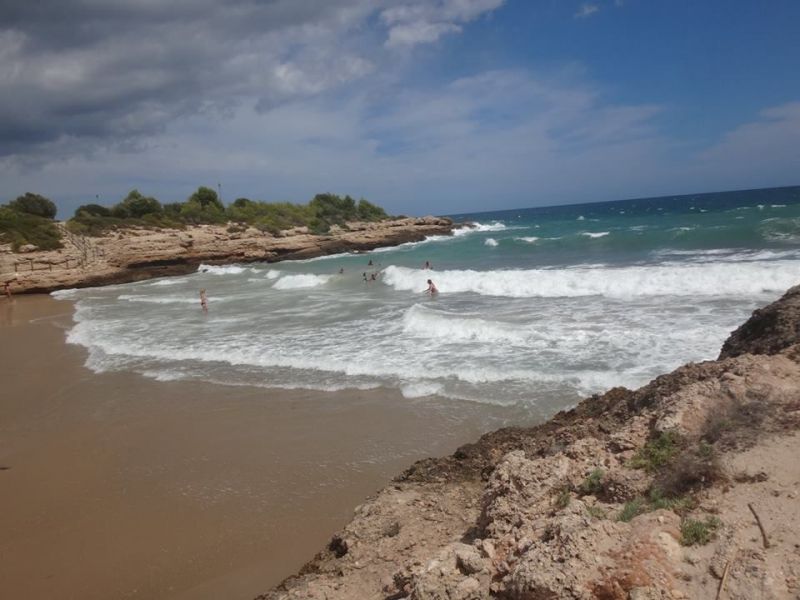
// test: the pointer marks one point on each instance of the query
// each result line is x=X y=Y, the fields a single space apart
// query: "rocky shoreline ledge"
x=135 y=254
x=688 y=487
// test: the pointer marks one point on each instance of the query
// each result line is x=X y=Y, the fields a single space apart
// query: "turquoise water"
x=537 y=307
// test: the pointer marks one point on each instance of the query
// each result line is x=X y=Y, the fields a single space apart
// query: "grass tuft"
x=695 y=532
x=593 y=484
x=563 y=499
x=632 y=509
x=657 y=452
x=596 y=512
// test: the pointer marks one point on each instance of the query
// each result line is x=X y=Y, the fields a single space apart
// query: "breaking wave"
x=703 y=279
x=221 y=269
x=297 y=282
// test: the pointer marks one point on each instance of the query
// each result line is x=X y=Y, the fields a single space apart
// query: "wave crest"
x=297 y=282
x=704 y=279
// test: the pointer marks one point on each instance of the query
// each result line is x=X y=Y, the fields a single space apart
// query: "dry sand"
x=116 y=486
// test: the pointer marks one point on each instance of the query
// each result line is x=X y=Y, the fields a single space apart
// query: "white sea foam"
x=480 y=227
x=490 y=242
x=531 y=239
x=324 y=257
x=166 y=282
x=221 y=269
x=159 y=299
x=164 y=375
x=704 y=279
x=423 y=322
x=777 y=205
x=598 y=234
x=581 y=218
x=297 y=282
x=421 y=389
x=68 y=294
x=273 y=274
x=731 y=255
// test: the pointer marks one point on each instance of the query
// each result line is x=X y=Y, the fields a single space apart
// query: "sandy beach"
x=117 y=486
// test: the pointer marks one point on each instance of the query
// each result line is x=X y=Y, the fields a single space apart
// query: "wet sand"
x=117 y=486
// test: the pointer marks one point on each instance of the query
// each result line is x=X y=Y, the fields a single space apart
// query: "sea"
x=537 y=307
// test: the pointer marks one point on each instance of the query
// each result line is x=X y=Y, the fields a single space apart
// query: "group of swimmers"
x=431 y=289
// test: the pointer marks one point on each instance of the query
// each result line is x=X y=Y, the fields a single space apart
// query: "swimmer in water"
x=431 y=288
x=203 y=301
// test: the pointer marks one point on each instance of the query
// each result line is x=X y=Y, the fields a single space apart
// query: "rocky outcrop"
x=644 y=494
x=135 y=254
x=769 y=330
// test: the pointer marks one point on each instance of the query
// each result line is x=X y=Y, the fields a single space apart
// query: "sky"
x=437 y=106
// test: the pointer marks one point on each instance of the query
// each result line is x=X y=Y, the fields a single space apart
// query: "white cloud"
x=767 y=148
x=586 y=10
x=419 y=32
x=410 y=24
x=440 y=149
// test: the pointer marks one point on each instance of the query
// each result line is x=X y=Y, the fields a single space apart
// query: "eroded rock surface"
x=135 y=254
x=644 y=494
x=769 y=330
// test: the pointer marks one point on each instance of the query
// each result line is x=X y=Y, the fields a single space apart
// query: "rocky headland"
x=133 y=254
x=688 y=487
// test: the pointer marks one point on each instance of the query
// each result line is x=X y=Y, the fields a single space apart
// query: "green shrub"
x=699 y=532
x=593 y=484
x=369 y=212
x=678 y=504
x=632 y=509
x=94 y=210
x=563 y=499
x=136 y=206
x=34 y=204
x=656 y=452
x=204 y=206
x=207 y=199
x=596 y=512
x=20 y=228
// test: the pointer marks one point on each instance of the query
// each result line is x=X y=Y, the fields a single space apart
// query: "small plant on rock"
x=632 y=509
x=563 y=499
x=596 y=512
x=657 y=452
x=593 y=484
x=695 y=532
x=679 y=504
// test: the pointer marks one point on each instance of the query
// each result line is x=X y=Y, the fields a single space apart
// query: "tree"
x=34 y=204
x=333 y=209
x=367 y=211
x=136 y=206
x=206 y=198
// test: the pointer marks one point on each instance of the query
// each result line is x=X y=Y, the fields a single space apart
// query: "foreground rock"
x=645 y=494
x=136 y=254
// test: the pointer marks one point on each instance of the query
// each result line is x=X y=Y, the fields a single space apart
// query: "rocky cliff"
x=135 y=254
x=685 y=488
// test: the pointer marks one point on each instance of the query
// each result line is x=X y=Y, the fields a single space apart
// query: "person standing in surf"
x=203 y=301
x=431 y=288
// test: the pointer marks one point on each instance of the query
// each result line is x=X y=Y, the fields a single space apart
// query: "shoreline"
x=578 y=507
x=130 y=255
x=129 y=487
